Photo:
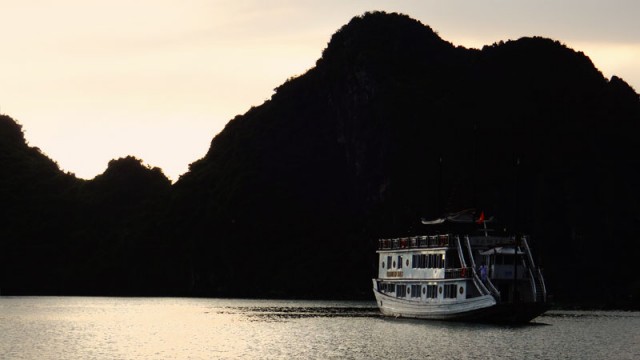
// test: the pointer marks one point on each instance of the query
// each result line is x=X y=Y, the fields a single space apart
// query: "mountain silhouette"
x=391 y=125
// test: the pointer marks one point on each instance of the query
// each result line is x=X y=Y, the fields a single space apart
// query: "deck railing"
x=415 y=242
x=457 y=273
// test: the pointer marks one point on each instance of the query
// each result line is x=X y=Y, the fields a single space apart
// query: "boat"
x=460 y=270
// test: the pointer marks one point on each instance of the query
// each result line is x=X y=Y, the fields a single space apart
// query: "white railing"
x=460 y=253
x=476 y=279
x=534 y=291
x=544 y=287
x=538 y=273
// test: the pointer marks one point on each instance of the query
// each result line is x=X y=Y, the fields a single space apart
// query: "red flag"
x=481 y=218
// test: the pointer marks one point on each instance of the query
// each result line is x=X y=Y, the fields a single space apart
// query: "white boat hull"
x=437 y=310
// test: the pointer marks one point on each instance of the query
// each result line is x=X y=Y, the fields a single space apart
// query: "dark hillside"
x=121 y=248
x=62 y=235
x=290 y=183
x=34 y=211
x=393 y=124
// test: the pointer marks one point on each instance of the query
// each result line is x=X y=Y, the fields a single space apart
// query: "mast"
x=517 y=236
x=439 y=210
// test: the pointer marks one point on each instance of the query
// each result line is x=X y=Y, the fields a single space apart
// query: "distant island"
x=393 y=124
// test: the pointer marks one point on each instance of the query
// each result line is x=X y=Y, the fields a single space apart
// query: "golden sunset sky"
x=91 y=81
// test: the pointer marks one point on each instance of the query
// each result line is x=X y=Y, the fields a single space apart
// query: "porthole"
x=461 y=290
x=407 y=262
x=383 y=264
x=424 y=290
x=440 y=289
x=408 y=291
x=394 y=264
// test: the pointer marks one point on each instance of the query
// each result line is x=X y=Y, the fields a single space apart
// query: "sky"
x=92 y=81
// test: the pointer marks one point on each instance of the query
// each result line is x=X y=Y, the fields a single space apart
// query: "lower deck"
x=435 y=308
x=427 y=291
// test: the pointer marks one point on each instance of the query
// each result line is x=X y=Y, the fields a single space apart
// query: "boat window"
x=399 y=262
x=452 y=260
x=420 y=261
x=388 y=288
x=415 y=291
x=504 y=259
x=508 y=259
x=450 y=291
x=413 y=261
x=432 y=291
x=383 y=264
x=401 y=290
x=389 y=262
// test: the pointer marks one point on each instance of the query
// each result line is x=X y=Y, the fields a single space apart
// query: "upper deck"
x=416 y=242
x=442 y=241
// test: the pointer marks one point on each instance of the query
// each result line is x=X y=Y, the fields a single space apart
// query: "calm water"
x=170 y=328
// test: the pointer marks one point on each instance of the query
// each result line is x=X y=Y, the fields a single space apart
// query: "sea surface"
x=187 y=328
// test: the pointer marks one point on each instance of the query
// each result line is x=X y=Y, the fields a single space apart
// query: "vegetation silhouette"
x=391 y=125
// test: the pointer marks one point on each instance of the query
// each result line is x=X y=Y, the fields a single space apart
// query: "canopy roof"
x=468 y=216
x=501 y=250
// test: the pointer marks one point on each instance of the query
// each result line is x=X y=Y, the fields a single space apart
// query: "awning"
x=433 y=222
x=502 y=251
x=463 y=217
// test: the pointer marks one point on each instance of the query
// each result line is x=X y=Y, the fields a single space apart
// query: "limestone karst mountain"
x=391 y=125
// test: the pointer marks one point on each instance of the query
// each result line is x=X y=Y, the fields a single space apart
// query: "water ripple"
x=162 y=328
